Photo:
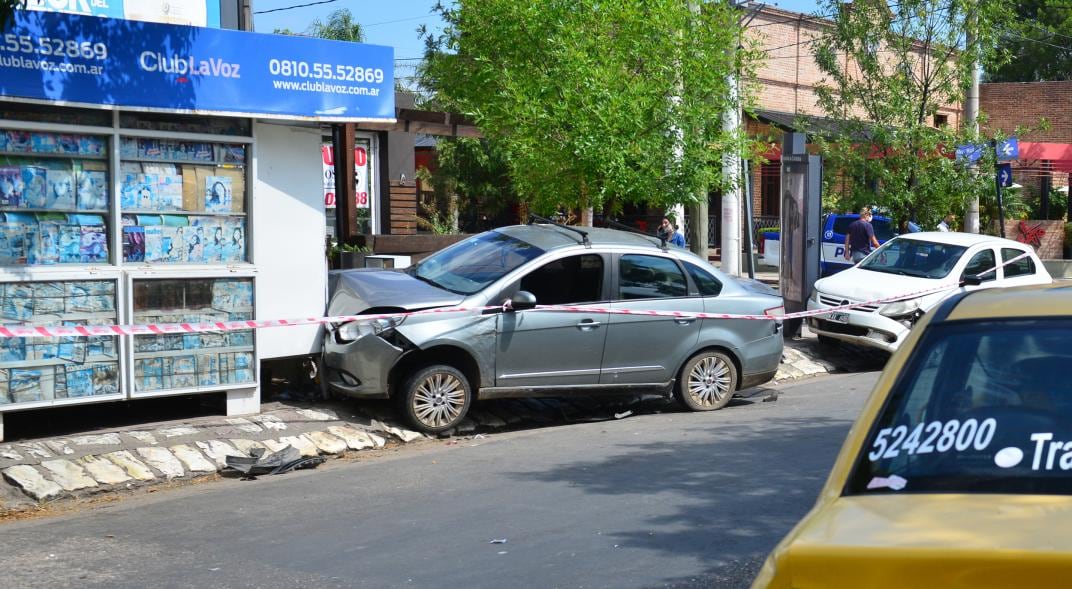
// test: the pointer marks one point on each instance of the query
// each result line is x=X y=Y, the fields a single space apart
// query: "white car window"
x=1021 y=267
x=981 y=262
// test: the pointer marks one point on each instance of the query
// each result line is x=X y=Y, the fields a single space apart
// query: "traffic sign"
x=970 y=153
x=1004 y=175
x=1008 y=149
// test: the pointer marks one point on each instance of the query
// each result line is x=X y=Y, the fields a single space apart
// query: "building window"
x=941 y=121
x=770 y=182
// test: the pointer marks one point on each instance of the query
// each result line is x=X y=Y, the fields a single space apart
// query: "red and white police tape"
x=215 y=327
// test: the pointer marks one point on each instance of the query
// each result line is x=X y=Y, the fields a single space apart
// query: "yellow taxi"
x=958 y=473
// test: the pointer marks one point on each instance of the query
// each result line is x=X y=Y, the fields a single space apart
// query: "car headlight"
x=349 y=332
x=896 y=309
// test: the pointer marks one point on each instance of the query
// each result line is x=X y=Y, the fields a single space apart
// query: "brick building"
x=1012 y=105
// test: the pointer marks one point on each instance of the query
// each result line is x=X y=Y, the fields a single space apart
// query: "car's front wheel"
x=707 y=381
x=435 y=398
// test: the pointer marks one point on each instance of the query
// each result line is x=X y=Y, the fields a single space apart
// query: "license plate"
x=838 y=317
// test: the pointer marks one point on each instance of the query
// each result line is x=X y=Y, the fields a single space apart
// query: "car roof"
x=1047 y=300
x=961 y=239
x=550 y=237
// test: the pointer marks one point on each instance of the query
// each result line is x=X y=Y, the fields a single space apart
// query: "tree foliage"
x=471 y=181
x=339 y=26
x=889 y=68
x=1039 y=43
x=593 y=102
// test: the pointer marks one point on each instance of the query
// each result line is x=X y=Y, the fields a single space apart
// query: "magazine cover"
x=60 y=189
x=72 y=349
x=101 y=347
x=154 y=243
x=34 y=187
x=128 y=148
x=174 y=244
x=92 y=190
x=195 y=244
x=146 y=196
x=79 y=381
x=44 y=143
x=105 y=378
x=69 y=144
x=70 y=244
x=232 y=154
x=10 y=186
x=94 y=244
x=149 y=149
x=12 y=349
x=208 y=370
x=18 y=141
x=44 y=306
x=87 y=299
x=12 y=243
x=240 y=339
x=169 y=193
x=17 y=308
x=148 y=374
x=184 y=372
x=88 y=145
x=43 y=348
x=215 y=243
x=44 y=243
x=234 y=240
x=27 y=386
x=218 y=194
x=213 y=340
x=133 y=243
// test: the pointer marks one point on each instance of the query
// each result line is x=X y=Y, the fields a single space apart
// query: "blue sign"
x=198 y=13
x=969 y=153
x=1008 y=149
x=1004 y=175
x=101 y=61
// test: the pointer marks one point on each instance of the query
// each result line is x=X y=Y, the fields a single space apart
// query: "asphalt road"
x=664 y=500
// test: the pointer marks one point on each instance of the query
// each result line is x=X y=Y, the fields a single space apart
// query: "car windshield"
x=469 y=266
x=982 y=407
x=913 y=257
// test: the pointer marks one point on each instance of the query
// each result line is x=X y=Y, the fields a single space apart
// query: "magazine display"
x=190 y=360
x=52 y=238
x=48 y=368
x=92 y=190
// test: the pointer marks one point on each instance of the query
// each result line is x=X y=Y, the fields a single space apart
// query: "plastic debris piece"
x=891 y=482
x=498 y=541
x=622 y=415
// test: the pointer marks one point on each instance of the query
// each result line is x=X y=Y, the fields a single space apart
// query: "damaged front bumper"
x=359 y=368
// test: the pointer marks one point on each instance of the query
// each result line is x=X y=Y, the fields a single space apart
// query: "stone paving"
x=75 y=466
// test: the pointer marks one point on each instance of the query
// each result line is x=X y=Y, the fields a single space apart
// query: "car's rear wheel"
x=436 y=398
x=707 y=381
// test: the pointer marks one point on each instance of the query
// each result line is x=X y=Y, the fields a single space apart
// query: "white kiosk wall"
x=288 y=236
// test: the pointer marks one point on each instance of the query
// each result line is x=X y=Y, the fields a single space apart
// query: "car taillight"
x=775 y=312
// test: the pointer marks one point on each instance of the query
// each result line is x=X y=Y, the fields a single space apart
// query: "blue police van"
x=835 y=227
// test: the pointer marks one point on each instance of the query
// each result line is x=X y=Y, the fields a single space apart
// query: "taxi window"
x=982 y=407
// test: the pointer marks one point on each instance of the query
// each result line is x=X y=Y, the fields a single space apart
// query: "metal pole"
x=731 y=207
x=971 y=122
x=749 y=229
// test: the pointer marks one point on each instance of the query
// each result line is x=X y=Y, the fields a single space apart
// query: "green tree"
x=1039 y=43
x=593 y=102
x=471 y=181
x=889 y=68
x=339 y=26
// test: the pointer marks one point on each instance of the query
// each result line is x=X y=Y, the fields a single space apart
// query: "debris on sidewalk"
x=257 y=463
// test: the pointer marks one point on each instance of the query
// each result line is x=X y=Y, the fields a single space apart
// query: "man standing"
x=860 y=239
x=947 y=224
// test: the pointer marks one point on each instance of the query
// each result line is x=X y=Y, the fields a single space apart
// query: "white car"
x=913 y=263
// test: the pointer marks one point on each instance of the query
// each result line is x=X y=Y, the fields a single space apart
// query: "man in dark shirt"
x=860 y=239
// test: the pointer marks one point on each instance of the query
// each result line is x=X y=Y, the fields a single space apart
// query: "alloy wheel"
x=439 y=400
x=709 y=381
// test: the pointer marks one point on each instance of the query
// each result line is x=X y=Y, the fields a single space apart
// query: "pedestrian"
x=860 y=239
x=947 y=223
x=667 y=232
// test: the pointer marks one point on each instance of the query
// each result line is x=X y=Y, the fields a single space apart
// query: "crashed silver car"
x=436 y=365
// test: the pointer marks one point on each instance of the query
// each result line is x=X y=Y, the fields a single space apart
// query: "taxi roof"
x=1047 y=300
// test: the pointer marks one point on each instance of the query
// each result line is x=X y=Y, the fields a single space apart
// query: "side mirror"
x=523 y=300
x=971 y=280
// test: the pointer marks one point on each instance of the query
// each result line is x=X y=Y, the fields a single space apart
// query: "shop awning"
x=1059 y=154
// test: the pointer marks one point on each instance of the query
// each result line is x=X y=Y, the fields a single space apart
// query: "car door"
x=983 y=260
x=1021 y=272
x=551 y=348
x=644 y=349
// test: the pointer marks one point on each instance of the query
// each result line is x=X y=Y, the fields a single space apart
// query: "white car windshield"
x=913 y=257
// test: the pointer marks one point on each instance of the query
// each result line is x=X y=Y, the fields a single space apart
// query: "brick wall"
x=1010 y=105
x=1051 y=243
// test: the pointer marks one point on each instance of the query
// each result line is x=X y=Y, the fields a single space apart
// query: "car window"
x=980 y=263
x=883 y=230
x=706 y=283
x=841 y=224
x=1022 y=267
x=566 y=281
x=982 y=407
x=914 y=257
x=650 y=277
x=469 y=266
